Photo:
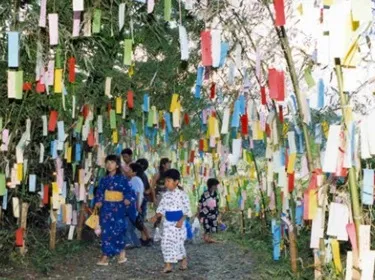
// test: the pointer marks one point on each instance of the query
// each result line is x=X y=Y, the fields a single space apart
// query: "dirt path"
x=214 y=261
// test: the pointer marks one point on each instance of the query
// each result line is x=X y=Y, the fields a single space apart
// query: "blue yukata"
x=112 y=192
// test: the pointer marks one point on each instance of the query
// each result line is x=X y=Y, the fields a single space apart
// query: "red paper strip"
x=163 y=124
x=72 y=70
x=85 y=111
x=281 y=115
x=52 y=121
x=188 y=169
x=27 y=86
x=263 y=95
x=291 y=182
x=192 y=156
x=19 y=237
x=244 y=125
x=40 y=88
x=268 y=130
x=212 y=90
x=279 y=12
x=45 y=194
x=130 y=100
x=306 y=204
x=186 y=119
x=350 y=228
x=201 y=145
x=206 y=48
x=91 y=138
x=205 y=172
x=276 y=84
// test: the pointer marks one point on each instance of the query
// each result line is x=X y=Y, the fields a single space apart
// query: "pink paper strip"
x=76 y=24
x=53 y=29
x=43 y=13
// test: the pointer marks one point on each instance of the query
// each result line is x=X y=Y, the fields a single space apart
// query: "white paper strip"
x=184 y=43
x=337 y=220
x=121 y=16
x=53 y=25
x=87 y=24
x=78 y=5
x=45 y=128
x=100 y=124
x=225 y=125
x=292 y=142
x=317 y=231
x=150 y=6
x=43 y=13
x=216 y=47
x=330 y=158
x=368 y=265
x=349 y=266
x=71 y=232
x=76 y=24
x=108 y=82
x=41 y=153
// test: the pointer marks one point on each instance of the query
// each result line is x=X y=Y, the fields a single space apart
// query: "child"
x=175 y=207
x=208 y=210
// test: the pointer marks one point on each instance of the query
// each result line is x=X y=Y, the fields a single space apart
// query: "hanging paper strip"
x=72 y=70
x=244 y=125
x=279 y=12
x=167 y=10
x=236 y=115
x=130 y=99
x=121 y=16
x=320 y=94
x=52 y=121
x=13 y=49
x=96 y=23
x=128 y=52
x=276 y=83
x=223 y=53
x=368 y=187
x=76 y=24
x=53 y=29
x=263 y=95
x=216 y=47
x=206 y=48
x=184 y=42
x=43 y=13
x=212 y=91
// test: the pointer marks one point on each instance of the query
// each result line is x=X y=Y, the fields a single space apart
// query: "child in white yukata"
x=174 y=207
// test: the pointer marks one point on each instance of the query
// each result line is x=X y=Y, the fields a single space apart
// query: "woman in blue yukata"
x=116 y=199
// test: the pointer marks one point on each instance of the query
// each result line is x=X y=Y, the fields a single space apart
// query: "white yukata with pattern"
x=172 y=244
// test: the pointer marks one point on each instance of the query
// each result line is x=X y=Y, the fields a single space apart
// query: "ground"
x=206 y=261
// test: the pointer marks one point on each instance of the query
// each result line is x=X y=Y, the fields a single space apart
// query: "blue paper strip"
x=32 y=183
x=236 y=115
x=299 y=214
x=242 y=104
x=77 y=157
x=320 y=94
x=223 y=53
x=13 y=49
x=64 y=190
x=146 y=103
x=276 y=234
x=318 y=134
x=167 y=118
x=5 y=200
x=197 y=93
x=368 y=187
x=133 y=128
x=54 y=149
x=200 y=73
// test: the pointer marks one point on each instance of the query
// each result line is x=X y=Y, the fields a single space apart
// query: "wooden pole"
x=81 y=221
x=52 y=238
x=24 y=211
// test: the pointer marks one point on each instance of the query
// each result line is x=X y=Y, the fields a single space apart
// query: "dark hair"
x=116 y=159
x=137 y=168
x=127 y=151
x=212 y=182
x=173 y=174
x=144 y=163
x=163 y=161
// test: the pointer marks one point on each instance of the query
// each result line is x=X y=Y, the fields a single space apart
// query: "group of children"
x=122 y=198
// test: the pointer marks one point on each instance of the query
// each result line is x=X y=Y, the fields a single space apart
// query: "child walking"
x=175 y=208
x=208 y=210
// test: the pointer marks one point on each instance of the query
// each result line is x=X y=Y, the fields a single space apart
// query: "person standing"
x=208 y=210
x=127 y=156
x=115 y=199
x=175 y=208
x=158 y=185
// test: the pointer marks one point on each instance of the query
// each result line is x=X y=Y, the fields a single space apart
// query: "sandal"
x=122 y=260
x=100 y=263
x=166 y=271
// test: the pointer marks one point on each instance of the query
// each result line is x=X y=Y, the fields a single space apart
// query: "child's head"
x=135 y=169
x=112 y=164
x=172 y=179
x=143 y=162
x=127 y=155
x=212 y=184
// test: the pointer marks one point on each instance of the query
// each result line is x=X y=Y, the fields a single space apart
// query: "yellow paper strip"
x=19 y=172
x=291 y=163
x=313 y=204
x=174 y=103
x=69 y=155
x=336 y=255
x=118 y=105
x=55 y=188
x=58 y=81
x=114 y=137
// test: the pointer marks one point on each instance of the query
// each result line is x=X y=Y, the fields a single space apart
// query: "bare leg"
x=184 y=264
x=167 y=268
x=103 y=261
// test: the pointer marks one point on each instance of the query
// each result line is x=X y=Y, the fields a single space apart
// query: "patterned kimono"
x=173 y=205
x=209 y=211
x=112 y=213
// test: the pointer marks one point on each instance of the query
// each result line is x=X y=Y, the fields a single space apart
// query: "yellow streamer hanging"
x=118 y=105
x=114 y=137
x=336 y=255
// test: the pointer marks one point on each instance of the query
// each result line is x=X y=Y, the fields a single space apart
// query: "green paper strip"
x=308 y=78
x=167 y=10
x=112 y=119
x=150 y=122
x=79 y=125
x=2 y=185
x=128 y=51
x=58 y=61
x=19 y=84
x=96 y=23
